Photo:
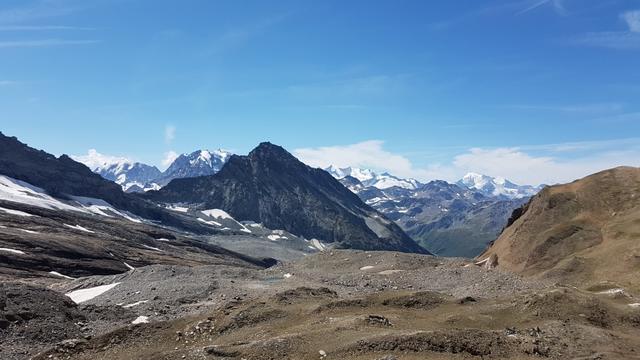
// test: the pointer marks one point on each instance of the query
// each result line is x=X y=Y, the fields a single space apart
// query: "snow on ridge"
x=78 y=227
x=178 y=208
x=13 y=251
x=209 y=222
x=369 y=178
x=15 y=212
x=217 y=213
x=135 y=304
x=152 y=248
x=55 y=273
x=97 y=161
x=24 y=193
x=497 y=186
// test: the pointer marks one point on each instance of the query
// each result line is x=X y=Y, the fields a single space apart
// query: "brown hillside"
x=585 y=232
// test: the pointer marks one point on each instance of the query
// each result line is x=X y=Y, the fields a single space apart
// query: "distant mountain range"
x=458 y=219
x=498 y=186
x=139 y=177
x=447 y=219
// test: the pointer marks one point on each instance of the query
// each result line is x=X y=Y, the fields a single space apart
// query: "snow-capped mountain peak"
x=370 y=178
x=497 y=186
x=210 y=158
x=124 y=172
x=97 y=161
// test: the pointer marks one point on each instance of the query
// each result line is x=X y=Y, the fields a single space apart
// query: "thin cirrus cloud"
x=619 y=40
x=557 y=5
x=169 y=133
x=518 y=164
x=44 y=43
x=632 y=19
x=39 y=9
x=41 y=28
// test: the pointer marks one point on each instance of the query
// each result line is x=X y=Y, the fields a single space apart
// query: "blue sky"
x=537 y=91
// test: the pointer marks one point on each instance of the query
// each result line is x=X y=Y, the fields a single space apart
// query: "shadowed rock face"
x=62 y=176
x=583 y=231
x=271 y=186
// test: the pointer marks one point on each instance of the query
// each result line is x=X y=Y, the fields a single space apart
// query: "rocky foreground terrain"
x=337 y=304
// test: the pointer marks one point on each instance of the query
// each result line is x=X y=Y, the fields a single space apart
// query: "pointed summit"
x=272 y=187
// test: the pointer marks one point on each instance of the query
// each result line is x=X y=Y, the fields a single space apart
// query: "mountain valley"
x=268 y=258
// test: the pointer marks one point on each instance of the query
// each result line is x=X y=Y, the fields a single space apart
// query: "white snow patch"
x=178 y=208
x=140 y=320
x=135 y=304
x=80 y=296
x=613 y=292
x=55 y=273
x=212 y=223
x=287 y=275
x=366 y=267
x=217 y=213
x=318 y=244
x=14 y=251
x=635 y=305
x=274 y=237
x=152 y=248
x=15 y=212
x=128 y=266
x=24 y=193
x=163 y=239
x=29 y=231
x=78 y=227
x=101 y=207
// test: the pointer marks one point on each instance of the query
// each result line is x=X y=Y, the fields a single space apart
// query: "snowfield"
x=80 y=296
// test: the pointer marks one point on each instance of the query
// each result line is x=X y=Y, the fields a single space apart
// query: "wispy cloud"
x=523 y=164
x=39 y=9
x=169 y=133
x=506 y=8
x=598 y=108
x=44 y=43
x=169 y=158
x=633 y=20
x=558 y=6
x=620 y=40
x=7 y=82
x=239 y=35
x=41 y=28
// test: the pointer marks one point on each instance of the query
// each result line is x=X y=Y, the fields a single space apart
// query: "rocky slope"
x=333 y=305
x=72 y=182
x=585 y=232
x=270 y=186
x=35 y=241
